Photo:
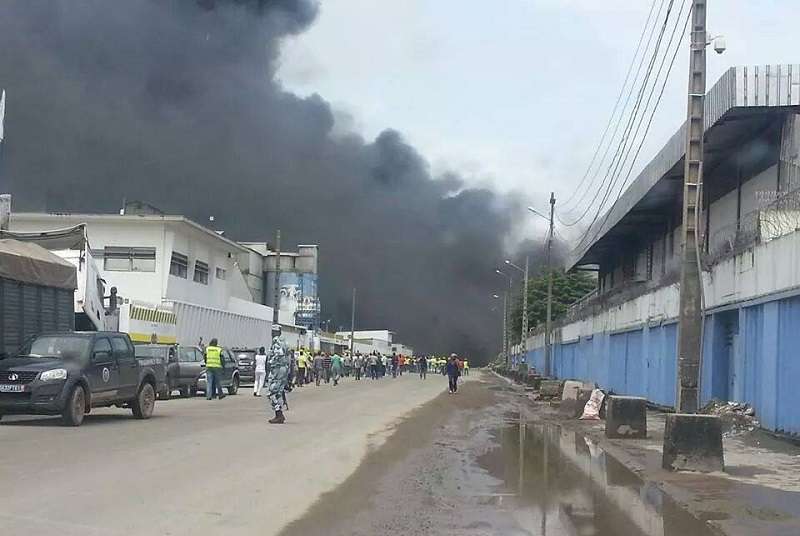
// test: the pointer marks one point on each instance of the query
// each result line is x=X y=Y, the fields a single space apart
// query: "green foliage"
x=567 y=289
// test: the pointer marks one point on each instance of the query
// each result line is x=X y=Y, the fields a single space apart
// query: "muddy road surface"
x=468 y=465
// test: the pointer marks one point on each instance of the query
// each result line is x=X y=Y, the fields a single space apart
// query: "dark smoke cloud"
x=175 y=103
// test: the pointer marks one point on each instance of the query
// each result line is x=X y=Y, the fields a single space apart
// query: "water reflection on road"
x=557 y=482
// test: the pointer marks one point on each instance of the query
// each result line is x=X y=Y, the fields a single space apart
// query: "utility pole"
x=690 y=314
x=505 y=330
x=353 y=323
x=276 y=296
x=549 y=322
x=524 y=339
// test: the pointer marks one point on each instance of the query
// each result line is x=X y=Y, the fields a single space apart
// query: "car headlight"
x=55 y=374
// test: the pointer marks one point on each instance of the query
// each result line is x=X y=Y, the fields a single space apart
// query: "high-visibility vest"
x=213 y=357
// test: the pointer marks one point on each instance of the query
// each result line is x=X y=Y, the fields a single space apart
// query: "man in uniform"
x=214 y=366
x=278 y=374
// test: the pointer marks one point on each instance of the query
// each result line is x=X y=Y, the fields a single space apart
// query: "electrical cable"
x=647 y=130
x=616 y=106
x=630 y=121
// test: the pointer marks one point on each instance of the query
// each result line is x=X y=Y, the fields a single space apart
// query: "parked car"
x=246 y=360
x=184 y=365
x=230 y=374
x=70 y=373
x=158 y=357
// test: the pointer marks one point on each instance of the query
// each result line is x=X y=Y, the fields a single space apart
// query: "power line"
x=652 y=115
x=616 y=105
x=623 y=149
x=631 y=118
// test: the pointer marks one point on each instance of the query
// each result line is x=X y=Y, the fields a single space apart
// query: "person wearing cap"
x=279 y=362
x=453 y=372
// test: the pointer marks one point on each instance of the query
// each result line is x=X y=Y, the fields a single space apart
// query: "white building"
x=213 y=283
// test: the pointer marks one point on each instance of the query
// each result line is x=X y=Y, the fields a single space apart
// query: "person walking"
x=453 y=372
x=336 y=368
x=327 y=361
x=373 y=366
x=422 y=365
x=395 y=365
x=214 y=368
x=260 y=371
x=279 y=362
x=302 y=366
x=317 y=367
x=348 y=364
x=358 y=363
x=466 y=367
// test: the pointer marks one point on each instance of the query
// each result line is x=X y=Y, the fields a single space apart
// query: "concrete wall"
x=751 y=336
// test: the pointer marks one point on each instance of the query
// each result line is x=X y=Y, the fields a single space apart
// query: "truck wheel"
x=234 y=386
x=167 y=393
x=73 y=412
x=142 y=406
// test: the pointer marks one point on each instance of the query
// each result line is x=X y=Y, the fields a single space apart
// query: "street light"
x=524 y=331
x=549 y=322
x=506 y=317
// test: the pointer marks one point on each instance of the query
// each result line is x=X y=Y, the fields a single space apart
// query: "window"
x=201 y=272
x=121 y=348
x=188 y=355
x=125 y=259
x=179 y=265
x=221 y=274
x=104 y=347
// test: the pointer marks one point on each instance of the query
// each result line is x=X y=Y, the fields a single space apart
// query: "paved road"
x=196 y=467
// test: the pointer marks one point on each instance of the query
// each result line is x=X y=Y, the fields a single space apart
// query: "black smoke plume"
x=175 y=103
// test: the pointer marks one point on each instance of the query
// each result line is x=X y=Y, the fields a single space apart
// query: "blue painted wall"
x=750 y=354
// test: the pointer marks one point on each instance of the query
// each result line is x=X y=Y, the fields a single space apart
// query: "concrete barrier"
x=551 y=388
x=626 y=417
x=693 y=443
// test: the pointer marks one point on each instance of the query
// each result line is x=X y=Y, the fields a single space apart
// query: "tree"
x=567 y=289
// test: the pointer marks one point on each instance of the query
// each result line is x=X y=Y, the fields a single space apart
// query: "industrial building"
x=215 y=286
x=624 y=335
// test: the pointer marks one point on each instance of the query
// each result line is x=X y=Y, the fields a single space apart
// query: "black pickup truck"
x=70 y=373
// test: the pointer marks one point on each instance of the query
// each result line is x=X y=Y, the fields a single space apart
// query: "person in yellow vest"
x=302 y=366
x=466 y=367
x=214 y=371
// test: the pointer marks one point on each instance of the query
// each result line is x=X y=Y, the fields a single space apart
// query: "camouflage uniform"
x=278 y=372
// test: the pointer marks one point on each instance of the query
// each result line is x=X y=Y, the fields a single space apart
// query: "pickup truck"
x=70 y=373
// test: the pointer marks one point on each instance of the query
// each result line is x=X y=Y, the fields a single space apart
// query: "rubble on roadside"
x=737 y=417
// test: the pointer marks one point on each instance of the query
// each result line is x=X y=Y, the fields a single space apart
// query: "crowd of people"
x=319 y=367
x=280 y=369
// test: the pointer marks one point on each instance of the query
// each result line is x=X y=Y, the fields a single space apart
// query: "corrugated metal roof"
x=766 y=86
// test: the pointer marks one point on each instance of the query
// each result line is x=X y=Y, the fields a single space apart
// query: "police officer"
x=278 y=378
x=214 y=371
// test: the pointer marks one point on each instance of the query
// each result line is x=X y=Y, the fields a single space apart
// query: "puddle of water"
x=556 y=482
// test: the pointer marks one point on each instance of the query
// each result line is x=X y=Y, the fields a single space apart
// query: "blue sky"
x=514 y=96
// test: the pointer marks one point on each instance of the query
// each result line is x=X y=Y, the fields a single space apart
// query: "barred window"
x=221 y=273
x=201 y=272
x=179 y=265
x=129 y=259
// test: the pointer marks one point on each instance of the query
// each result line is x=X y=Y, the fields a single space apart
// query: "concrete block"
x=626 y=417
x=571 y=388
x=550 y=388
x=693 y=443
x=573 y=409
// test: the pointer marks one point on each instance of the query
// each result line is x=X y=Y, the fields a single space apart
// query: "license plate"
x=6 y=388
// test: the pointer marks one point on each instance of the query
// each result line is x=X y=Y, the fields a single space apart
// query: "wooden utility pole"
x=690 y=313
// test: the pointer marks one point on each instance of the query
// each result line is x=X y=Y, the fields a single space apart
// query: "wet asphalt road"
x=196 y=467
